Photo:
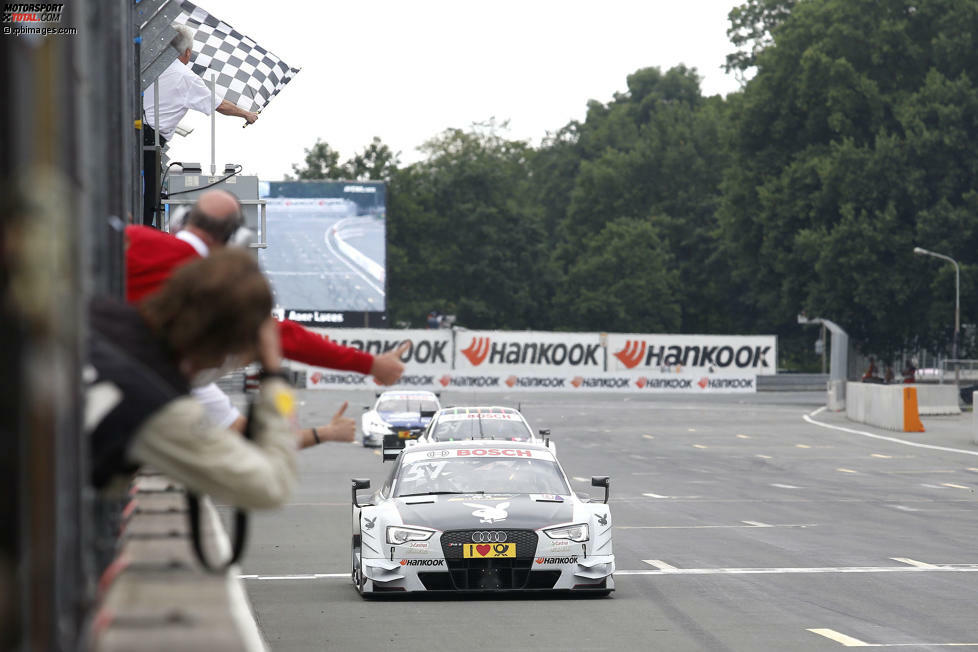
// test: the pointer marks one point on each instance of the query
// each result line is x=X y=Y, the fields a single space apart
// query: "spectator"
x=151 y=256
x=179 y=91
x=870 y=374
x=888 y=374
x=909 y=372
x=145 y=360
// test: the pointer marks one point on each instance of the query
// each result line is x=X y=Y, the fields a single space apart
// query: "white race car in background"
x=477 y=422
x=478 y=516
x=401 y=413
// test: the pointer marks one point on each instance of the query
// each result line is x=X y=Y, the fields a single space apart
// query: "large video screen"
x=326 y=255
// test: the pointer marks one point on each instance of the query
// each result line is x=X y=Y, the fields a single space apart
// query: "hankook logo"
x=477 y=351
x=633 y=353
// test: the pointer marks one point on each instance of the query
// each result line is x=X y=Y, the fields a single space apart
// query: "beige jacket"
x=180 y=441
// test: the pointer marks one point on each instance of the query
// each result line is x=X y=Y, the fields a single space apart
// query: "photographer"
x=145 y=359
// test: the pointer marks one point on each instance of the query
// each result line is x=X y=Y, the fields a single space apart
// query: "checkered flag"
x=247 y=74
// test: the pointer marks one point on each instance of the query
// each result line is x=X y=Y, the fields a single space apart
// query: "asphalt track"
x=740 y=526
x=307 y=269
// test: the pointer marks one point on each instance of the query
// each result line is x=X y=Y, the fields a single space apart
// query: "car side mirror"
x=427 y=413
x=602 y=481
x=545 y=433
x=392 y=447
x=359 y=483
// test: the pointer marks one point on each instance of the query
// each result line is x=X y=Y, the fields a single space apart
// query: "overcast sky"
x=405 y=71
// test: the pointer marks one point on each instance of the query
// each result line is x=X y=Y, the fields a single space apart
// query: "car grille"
x=489 y=574
x=452 y=542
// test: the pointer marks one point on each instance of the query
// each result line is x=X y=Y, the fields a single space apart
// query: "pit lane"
x=740 y=526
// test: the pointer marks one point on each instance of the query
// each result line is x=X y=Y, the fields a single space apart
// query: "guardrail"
x=793 y=383
x=155 y=596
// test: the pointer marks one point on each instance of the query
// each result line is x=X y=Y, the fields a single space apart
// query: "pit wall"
x=539 y=360
x=892 y=407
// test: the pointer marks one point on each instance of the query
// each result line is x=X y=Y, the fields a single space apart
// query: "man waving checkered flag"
x=246 y=74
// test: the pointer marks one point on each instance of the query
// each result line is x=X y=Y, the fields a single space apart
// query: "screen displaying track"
x=326 y=245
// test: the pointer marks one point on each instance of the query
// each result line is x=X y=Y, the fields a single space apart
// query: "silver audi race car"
x=472 y=422
x=480 y=516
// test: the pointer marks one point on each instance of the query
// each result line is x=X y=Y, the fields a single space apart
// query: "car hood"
x=476 y=511
x=404 y=419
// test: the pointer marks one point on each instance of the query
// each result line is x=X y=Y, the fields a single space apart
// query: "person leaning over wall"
x=143 y=360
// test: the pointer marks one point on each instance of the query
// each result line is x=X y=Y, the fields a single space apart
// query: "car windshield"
x=492 y=475
x=454 y=427
x=406 y=404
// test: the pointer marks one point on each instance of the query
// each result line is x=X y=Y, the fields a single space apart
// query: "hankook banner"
x=568 y=362
x=709 y=354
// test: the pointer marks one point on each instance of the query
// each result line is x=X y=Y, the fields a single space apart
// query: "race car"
x=401 y=413
x=480 y=516
x=460 y=423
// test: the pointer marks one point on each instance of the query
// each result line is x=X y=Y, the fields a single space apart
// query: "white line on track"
x=948 y=568
x=579 y=479
x=933 y=568
x=658 y=563
x=848 y=641
x=757 y=524
x=895 y=440
x=912 y=562
x=707 y=527
x=839 y=637
x=655 y=495
x=784 y=486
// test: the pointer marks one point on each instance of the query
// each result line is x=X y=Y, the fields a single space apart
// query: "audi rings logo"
x=488 y=537
x=438 y=453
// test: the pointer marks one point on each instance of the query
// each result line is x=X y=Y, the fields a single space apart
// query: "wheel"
x=356 y=575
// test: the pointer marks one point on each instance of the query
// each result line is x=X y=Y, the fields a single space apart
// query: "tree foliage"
x=854 y=143
x=375 y=163
x=664 y=210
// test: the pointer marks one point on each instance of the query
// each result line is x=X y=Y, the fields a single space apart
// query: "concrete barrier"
x=836 y=395
x=933 y=400
x=893 y=407
x=155 y=596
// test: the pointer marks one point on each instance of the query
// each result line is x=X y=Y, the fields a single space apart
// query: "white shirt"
x=180 y=91
x=217 y=405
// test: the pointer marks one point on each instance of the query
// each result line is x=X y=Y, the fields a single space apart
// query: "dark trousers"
x=151 y=179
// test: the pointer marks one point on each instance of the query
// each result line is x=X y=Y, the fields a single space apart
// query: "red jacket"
x=151 y=256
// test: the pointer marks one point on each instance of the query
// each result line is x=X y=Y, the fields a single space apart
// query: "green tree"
x=375 y=163
x=855 y=142
x=655 y=153
x=320 y=162
x=465 y=236
x=621 y=282
x=752 y=27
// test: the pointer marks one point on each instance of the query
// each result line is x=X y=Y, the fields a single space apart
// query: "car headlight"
x=577 y=532
x=376 y=427
x=398 y=535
